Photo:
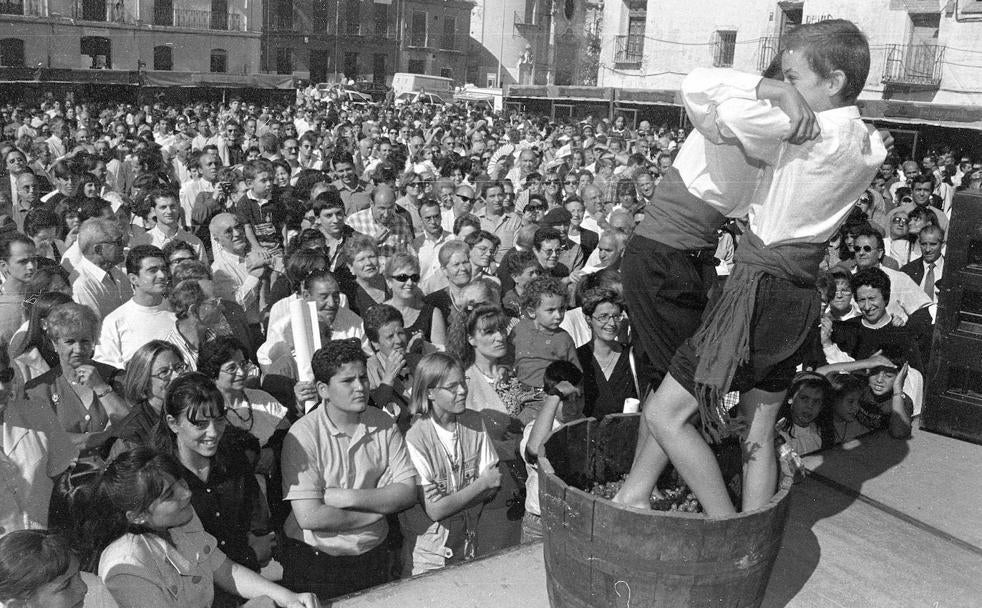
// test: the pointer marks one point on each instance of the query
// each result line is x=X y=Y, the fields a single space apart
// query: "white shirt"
x=129 y=327
x=428 y=251
x=279 y=336
x=156 y=237
x=846 y=148
x=189 y=193
x=233 y=282
x=101 y=291
x=259 y=414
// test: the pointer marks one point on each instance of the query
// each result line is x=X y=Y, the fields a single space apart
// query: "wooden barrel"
x=600 y=554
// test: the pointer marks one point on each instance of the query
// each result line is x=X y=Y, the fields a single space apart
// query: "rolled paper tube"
x=306 y=340
x=632 y=406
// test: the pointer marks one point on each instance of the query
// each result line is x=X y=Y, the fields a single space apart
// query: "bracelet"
x=104 y=393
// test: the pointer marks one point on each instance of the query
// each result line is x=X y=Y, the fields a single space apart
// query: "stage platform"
x=880 y=523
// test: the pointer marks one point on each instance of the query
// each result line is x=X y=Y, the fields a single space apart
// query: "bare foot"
x=623 y=498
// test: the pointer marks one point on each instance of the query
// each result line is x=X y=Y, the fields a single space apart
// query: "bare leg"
x=687 y=449
x=759 y=459
x=668 y=414
x=649 y=462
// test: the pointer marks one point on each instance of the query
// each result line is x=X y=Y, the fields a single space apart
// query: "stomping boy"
x=752 y=338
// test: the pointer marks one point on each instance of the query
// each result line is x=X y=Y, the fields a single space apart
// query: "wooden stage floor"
x=879 y=523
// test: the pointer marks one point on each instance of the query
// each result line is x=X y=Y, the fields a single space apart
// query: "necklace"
x=249 y=419
x=607 y=363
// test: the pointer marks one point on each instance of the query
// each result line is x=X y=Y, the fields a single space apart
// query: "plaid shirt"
x=400 y=232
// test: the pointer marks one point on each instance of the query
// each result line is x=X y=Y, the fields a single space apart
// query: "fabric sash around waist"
x=678 y=218
x=722 y=343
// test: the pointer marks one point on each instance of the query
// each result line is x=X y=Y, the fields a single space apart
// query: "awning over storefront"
x=67 y=76
x=660 y=97
x=217 y=80
x=596 y=94
x=919 y=113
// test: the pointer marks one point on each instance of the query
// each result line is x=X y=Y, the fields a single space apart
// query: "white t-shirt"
x=266 y=414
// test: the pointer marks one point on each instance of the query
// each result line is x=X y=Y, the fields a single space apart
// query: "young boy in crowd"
x=803 y=194
x=562 y=382
x=390 y=368
x=263 y=220
x=345 y=467
x=523 y=268
x=538 y=340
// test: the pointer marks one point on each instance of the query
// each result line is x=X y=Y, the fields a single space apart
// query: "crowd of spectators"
x=163 y=442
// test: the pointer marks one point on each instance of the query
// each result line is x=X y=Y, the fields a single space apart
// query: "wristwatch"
x=108 y=390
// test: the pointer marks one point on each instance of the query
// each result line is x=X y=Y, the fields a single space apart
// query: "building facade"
x=436 y=39
x=323 y=40
x=218 y=37
x=528 y=42
x=327 y=40
x=926 y=55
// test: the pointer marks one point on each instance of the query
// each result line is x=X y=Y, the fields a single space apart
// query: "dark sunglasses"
x=534 y=208
x=864 y=248
x=402 y=278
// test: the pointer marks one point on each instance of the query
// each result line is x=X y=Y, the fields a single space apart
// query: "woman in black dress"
x=420 y=318
x=608 y=365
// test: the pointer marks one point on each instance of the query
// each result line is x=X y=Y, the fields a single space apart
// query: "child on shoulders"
x=538 y=340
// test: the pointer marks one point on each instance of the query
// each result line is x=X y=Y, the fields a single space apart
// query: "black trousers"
x=307 y=570
x=666 y=292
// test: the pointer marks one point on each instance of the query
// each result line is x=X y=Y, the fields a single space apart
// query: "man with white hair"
x=238 y=272
x=99 y=283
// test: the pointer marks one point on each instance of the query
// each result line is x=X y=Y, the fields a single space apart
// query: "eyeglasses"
x=534 y=208
x=453 y=388
x=605 y=319
x=900 y=220
x=167 y=372
x=864 y=248
x=552 y=182
x=402 y=278
x=232 y=367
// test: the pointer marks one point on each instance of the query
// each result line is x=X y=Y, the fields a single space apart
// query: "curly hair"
x=329 y=359
x=541 y=287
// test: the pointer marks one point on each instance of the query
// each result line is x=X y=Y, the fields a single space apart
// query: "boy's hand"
x=804 y=127
x=304 y=392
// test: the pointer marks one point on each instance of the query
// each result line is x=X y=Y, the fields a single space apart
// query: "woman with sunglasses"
x=148 y=374
x=552 y=190
x=80 y=390
x=534 y=210
x=194 y=430
x=422 y=320
x=412 y=192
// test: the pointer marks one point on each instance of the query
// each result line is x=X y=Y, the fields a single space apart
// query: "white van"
x=414 y=83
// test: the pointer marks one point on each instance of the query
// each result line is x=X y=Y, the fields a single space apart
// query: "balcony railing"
x=108 y=11
x=628 y=49
x=198 y=20
x=914 y=65
x=766 y=52
x=28 y=8
x=281 y=23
